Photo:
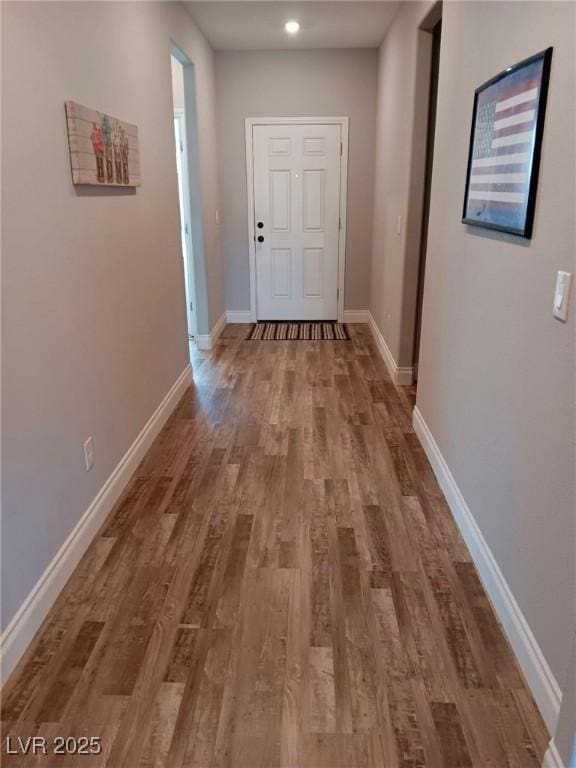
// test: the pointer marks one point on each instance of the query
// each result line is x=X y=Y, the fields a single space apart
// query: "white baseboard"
x=401 y=376
x=538 y=674
x=24 y=625
x=356 y=316
x=206 y=342
x=238 y=316
x=552 y=757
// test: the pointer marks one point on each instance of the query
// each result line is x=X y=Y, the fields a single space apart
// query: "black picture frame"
x=504 y=129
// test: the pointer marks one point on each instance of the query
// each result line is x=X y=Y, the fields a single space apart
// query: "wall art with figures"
x=103 y=149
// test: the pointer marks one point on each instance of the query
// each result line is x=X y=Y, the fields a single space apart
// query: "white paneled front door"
x=297 y=209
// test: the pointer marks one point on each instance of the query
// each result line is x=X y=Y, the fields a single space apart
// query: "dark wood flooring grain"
x=281 y=584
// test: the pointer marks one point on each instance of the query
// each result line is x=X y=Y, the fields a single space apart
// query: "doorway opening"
x=436 y=32
x=182 y=169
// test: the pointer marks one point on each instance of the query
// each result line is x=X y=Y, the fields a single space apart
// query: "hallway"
x=282 y=584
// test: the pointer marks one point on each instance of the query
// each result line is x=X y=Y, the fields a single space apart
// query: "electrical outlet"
x=89 y=453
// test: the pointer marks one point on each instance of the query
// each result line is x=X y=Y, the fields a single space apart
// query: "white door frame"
x=179 y=114
x=251 y=122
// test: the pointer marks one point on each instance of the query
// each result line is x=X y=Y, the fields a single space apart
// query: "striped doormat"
x=301 y=331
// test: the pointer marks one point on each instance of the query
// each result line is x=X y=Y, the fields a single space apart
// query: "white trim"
x=206 y=342
x=552 y=758
x=24 y=625
x=356 y=315
x=401 y=376
x=189 y=274
x=343 y=122
x=238 y=316
x=250 y=206
x=538 y=674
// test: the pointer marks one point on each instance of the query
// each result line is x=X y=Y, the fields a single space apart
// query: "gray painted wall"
x=94 y=328
x=296 y=83
x=497 y=371
x=403 y=84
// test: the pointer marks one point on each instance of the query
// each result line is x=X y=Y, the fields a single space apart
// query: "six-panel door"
x=296 y=205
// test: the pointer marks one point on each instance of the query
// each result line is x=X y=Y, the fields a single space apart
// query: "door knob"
x=260 y=224
x=260 y=238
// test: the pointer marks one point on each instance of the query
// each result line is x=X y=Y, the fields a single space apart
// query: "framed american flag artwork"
x=505 y=145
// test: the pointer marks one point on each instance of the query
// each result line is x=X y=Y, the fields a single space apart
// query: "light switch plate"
x=562 y=293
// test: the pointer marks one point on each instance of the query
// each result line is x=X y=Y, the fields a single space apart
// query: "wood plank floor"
x=282 y=584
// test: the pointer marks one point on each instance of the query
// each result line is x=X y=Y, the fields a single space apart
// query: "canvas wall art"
x=103 y=149
x=505 y=145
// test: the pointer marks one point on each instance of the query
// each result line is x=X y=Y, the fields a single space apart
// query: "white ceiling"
x=255 y=25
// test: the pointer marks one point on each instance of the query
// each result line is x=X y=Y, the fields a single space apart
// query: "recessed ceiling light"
x=291 y=27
